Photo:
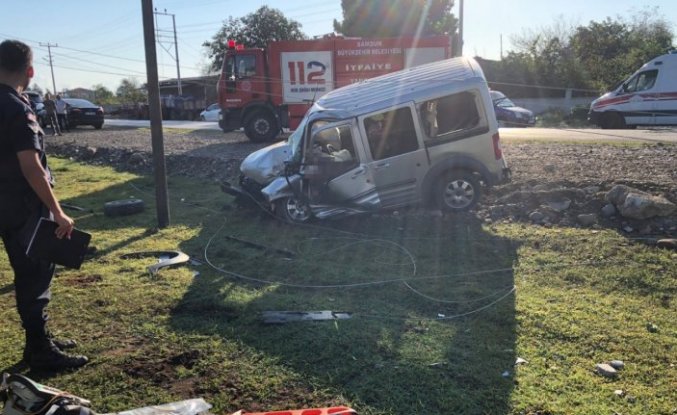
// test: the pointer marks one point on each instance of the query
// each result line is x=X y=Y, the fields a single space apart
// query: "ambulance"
x=647 y=98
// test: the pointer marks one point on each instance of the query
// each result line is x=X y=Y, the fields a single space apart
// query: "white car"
x=211 y=113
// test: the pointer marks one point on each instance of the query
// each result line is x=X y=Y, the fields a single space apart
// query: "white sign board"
x=306 y=76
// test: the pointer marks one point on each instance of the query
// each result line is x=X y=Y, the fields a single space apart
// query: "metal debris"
x=166 y=259
x=281 y=317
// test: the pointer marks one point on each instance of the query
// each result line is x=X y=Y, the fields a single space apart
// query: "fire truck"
x=266 y=90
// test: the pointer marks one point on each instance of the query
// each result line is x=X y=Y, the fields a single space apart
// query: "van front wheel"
x=457 y=191
x=613 y=121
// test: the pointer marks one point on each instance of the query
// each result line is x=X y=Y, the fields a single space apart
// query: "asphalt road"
x=548 y=134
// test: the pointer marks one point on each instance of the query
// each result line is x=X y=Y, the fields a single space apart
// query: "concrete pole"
x=51 y=67
x=159 y=170
x=176 y=50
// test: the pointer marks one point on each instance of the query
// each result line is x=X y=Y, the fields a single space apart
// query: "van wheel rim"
x=459 y=194
x=297 y=212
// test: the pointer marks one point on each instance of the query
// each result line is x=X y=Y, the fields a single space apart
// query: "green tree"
x=103 y=95
x=611 y=50
x=129 y=92
x=254 y=30
x=396 y=18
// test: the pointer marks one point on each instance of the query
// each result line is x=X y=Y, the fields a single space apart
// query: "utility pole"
x=176 y=48
x=49 y=50
x=460 y=29
x=161 y=194
x=501 y=46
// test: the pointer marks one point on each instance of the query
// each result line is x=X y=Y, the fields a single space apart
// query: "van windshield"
x=295 y=141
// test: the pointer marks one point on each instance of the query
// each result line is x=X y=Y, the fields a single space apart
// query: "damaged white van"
x=424 y=135
x=647 y=98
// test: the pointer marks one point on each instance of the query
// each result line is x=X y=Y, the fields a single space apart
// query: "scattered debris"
x=667 y=244
x=606 y=370
x=187 y=407
x=520 y=361
x=617 y=364
x=281 y=317
x=651 y=328
x=284 y=252
x=167 y=259
x=336 y=410
x=619 y=392
x=506 y=374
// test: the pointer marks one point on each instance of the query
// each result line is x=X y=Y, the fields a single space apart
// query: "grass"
x=581 y=297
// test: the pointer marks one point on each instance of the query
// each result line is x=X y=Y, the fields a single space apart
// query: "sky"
x=101 y=41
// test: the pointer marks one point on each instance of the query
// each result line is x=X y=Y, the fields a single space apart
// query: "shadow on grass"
x=438 y=338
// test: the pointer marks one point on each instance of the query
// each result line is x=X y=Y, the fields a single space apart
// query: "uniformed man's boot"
x=47 y=356
x=61 y=344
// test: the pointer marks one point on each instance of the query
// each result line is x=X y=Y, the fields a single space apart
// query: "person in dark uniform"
x=25 y=196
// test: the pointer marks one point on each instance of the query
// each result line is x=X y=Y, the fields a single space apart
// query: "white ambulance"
x=647 y=98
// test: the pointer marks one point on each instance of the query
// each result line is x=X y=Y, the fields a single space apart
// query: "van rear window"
x=450 y=114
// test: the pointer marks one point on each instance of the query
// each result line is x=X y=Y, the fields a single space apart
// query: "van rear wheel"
x=613 y=121
x=457 y=191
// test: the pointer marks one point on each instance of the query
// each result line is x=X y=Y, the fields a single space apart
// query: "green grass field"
x=442 y=308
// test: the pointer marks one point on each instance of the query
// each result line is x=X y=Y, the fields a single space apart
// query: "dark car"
x=83 y=112
x=510 y=115
x=36 y=100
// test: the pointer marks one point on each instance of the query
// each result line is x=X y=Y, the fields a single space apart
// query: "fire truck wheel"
x=261 y=126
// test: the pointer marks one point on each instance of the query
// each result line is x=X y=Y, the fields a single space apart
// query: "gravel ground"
x=650 y=167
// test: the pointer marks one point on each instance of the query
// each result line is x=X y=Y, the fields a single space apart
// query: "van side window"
x=449 y=114
x=391 y=133
x=642 y=82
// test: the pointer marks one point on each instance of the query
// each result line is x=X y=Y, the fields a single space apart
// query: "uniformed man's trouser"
x=32 y=278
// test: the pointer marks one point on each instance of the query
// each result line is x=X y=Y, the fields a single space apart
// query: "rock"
x=549 y=168
x=617 y=364
x=559 y=206
x=137 y=159
x=628 y=229
x=586 y=219
x=591 y=190
x=606 y=370
x=645 y=206
x=617 y=194
x=536 y=216
x=667 y=244
x=651 y=328
x=89 y=153
x=608 y=210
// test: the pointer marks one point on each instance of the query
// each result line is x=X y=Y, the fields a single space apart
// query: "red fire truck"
x=265 y=90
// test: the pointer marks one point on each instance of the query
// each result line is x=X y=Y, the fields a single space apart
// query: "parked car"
x=36 y=100
x=83 y=112
x=211 y=113
x=510 y=115
x=425 y=135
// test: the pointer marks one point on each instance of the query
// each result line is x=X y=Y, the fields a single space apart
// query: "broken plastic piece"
x=280 y=317
x=335 y=410
x=168 y=259
x=187 y=407
x=520 y=361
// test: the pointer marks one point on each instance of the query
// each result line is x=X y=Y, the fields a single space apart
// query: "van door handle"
x=382 y=166
x=358 y=173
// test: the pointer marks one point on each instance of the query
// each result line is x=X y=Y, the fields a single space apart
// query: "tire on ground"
x=123 y=207
x=457 y=191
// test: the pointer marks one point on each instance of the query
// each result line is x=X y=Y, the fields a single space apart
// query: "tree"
x=103 y=95
x=35 y=87
x=254 y=30
x=396 y=18
x=129 y=92
x=613 y=49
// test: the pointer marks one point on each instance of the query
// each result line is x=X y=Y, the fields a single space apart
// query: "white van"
x=648 y=97
x=427 y=134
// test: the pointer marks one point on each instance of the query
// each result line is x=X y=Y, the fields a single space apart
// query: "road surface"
x=547 y=134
